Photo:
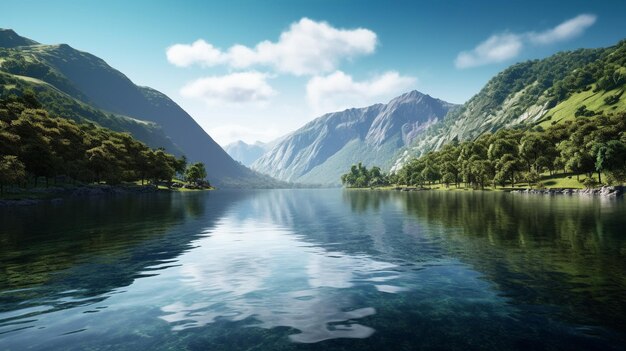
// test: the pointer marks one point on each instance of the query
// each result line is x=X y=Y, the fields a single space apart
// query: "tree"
x=531 y=177
x=448 y=178
x=532 y=146
x=610 y=156
x=161 y=167
x=181 y=165
x=195 y=173
x=430 y=174
x=12 y=171
x=507 y=167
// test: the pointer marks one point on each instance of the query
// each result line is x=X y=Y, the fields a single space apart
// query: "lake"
x=319 y=269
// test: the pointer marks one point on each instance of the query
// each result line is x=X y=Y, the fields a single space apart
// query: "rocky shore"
x=57 y=195
x=605 y=191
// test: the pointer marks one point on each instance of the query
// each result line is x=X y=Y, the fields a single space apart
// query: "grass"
x=566 y=110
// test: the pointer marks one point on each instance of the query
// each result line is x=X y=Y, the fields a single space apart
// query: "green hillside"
x=556 y=122
x=61 y=104
x=35 y=144
x=80 y=86
x=538 y=92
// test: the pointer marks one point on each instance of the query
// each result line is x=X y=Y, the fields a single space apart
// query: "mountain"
x=10 y=39
x=88 y=88
x=321 y=150
x=246 y=153
x=534 y=94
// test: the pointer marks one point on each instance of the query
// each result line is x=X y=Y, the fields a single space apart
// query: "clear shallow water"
x=315 y=270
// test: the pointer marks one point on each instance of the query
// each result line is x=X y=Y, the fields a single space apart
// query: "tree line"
x=35 y=145
x=583 y=146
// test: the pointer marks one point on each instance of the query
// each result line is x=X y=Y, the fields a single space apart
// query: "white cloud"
x=307 y=47
x=338 y=90
x=497 y=48
x=503 y=47
x=235 y=88
x=200 y=51
x=566 y=30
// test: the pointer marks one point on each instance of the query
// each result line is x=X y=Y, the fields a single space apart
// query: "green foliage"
x=71 y=105
x=12 y=171
x=554 y=87
x=196 y=173
x=583 y=111
x=360 y=177
x=511 y=156
x=36 y=144
x=613 y=99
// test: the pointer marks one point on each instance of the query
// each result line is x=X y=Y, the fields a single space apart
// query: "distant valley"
x=247 y=153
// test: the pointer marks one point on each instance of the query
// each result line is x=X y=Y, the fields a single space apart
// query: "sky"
x=256 y=70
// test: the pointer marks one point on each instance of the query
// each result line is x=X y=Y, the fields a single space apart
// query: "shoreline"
x=604 y=191
x=57 y=195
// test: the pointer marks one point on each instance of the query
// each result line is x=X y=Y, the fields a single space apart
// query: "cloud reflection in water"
x=244 y=270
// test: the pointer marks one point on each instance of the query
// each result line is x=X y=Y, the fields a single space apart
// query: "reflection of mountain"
x=108 y=244
x=268 y=270
x=558 y=252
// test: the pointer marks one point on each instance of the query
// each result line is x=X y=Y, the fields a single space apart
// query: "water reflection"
x=255 y=270
x=565 y=252
x=329 y=269
x=59 y=257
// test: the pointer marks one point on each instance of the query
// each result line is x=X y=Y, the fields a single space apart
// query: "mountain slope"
x=61 y=104
x=10 y=39
x=533 y=93
x=247 y=153
x=89 y=80
x=319 y=151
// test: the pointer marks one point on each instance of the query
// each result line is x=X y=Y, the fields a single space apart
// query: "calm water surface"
x=315 y=270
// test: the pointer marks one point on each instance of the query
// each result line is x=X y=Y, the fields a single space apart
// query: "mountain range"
x=532 y=94
x=319 y=151
x=527 y=95
x=78 y=85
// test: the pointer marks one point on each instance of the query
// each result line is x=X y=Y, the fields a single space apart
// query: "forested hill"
x=34 y=144
x=81 y=86
x=535 y=93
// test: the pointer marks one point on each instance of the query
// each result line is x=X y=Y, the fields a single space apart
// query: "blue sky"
x=356 y=52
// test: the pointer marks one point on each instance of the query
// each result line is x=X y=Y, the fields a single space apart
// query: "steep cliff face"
x=323 y=148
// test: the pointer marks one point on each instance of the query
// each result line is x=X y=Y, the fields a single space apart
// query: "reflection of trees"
x=560 y=251
x=362 y=200
x=93 y=246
